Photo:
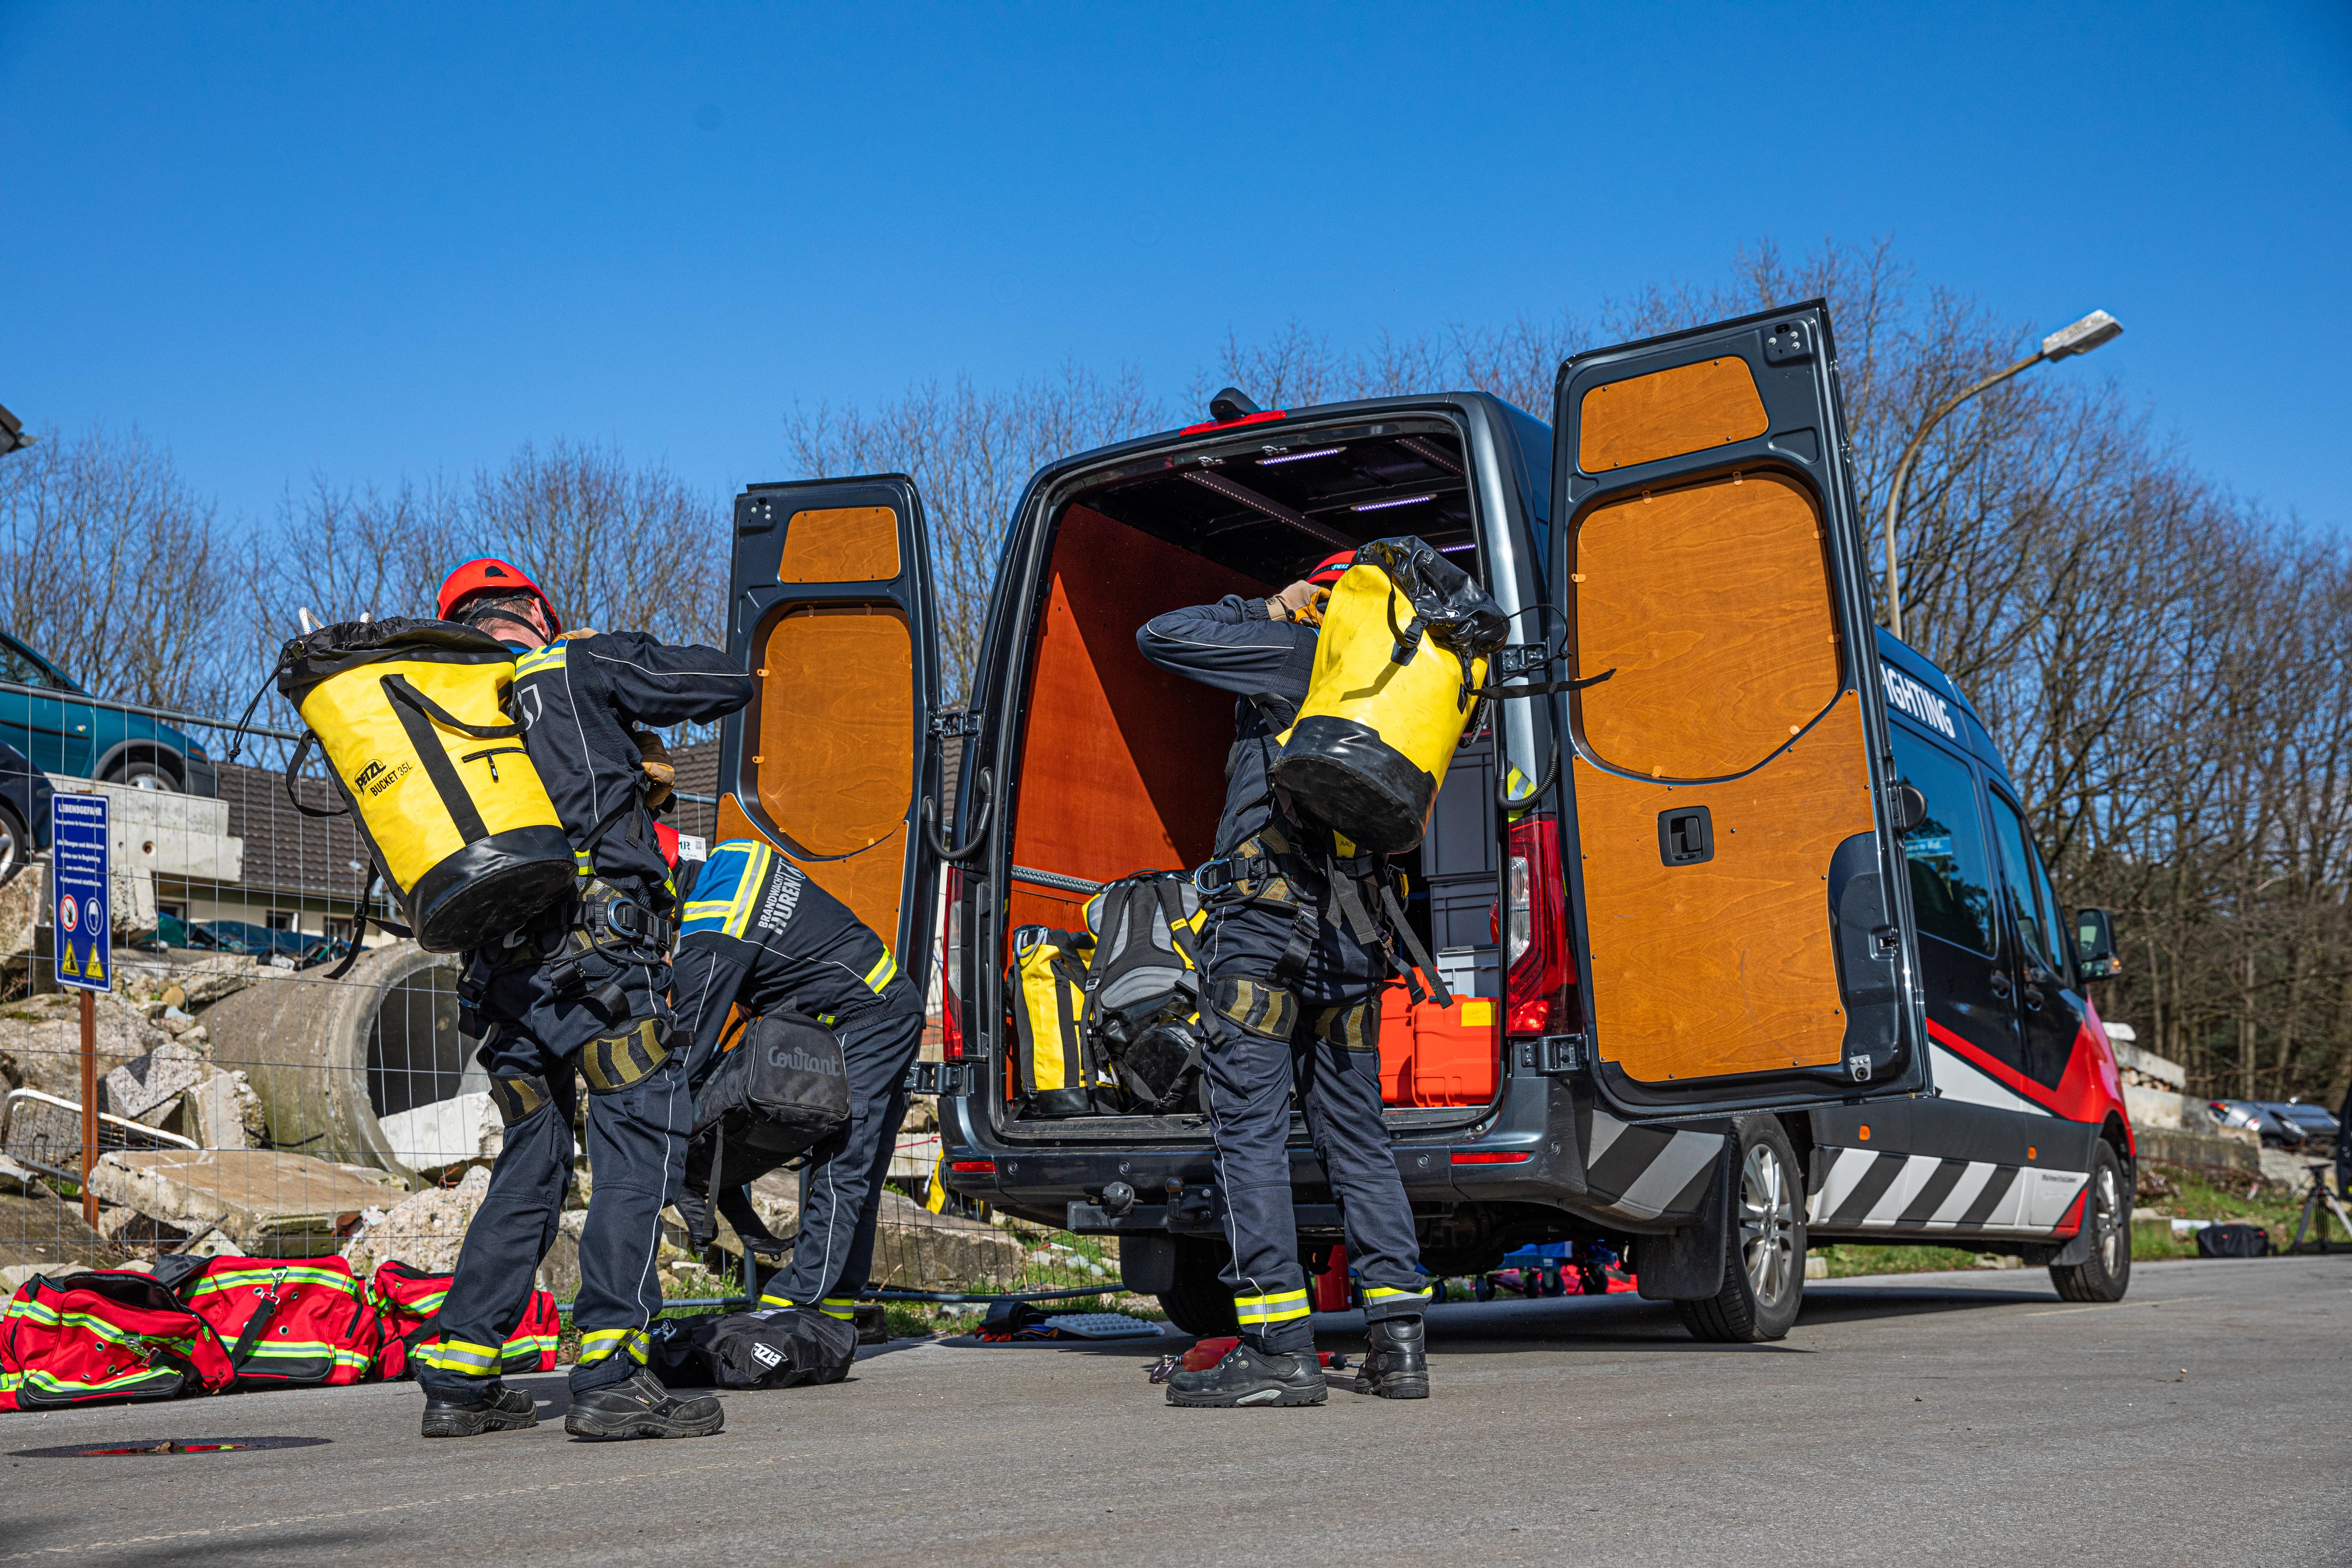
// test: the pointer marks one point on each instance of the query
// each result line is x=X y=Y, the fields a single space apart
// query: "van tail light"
x=1534 y=919
x=951 y=971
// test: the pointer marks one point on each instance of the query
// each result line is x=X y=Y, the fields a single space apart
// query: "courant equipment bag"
x=412 y=718
x=782 y=1089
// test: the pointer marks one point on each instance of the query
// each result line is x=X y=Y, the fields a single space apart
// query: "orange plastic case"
x=1433 y=1055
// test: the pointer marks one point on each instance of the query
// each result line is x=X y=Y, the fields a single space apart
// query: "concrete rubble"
x=431 y=1139
x=268 y=1201
x=425 y=1230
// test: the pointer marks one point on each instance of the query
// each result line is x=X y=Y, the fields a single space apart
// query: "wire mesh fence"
x=252 y=1102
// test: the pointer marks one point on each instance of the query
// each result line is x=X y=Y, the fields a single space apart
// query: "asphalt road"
x=1948 y=1418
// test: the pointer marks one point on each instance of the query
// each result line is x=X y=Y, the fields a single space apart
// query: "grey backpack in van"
x=1143 y=985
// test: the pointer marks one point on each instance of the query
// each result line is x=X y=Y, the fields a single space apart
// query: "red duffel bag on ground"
x=288 y=1322
x=104 y=1335
x=408 y=1298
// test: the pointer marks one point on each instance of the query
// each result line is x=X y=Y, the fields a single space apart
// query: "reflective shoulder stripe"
x=756 y=861
x=541 y=658
x=881 y=974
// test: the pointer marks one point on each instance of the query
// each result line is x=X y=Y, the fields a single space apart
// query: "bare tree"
x=115 y=569
x=970 y=453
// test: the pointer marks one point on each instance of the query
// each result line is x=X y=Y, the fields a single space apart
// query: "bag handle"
x=396 y=686
x=293 y=768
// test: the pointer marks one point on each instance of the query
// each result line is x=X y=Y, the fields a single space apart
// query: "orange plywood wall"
x=1122 y=764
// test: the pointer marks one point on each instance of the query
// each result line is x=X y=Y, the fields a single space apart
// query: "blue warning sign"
x=78 y=845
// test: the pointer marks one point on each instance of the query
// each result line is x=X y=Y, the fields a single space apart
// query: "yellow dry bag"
x=411 y=717
x=1405 y=643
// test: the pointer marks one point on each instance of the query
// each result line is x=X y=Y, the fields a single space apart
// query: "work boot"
x=642 y=1407
x=494 y=1407
x=1397 y=1366
x=1251 y=1376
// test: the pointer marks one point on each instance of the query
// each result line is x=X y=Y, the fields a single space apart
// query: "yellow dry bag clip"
x=1404 y=644
x=411 y=717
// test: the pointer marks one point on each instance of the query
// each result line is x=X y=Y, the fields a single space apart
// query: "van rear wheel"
x=1202 y=1304
x=2106 y=1275
x=1764 y=1244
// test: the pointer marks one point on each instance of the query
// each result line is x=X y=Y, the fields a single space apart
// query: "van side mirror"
x=1910 y=807
x=2094 y=938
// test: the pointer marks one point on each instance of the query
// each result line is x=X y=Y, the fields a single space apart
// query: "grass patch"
x=1847 y=1260
x=2200 y=1195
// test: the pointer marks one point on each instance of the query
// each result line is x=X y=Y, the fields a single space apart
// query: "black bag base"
x=1345 y=776
x=491 y=887
x=782 y=1348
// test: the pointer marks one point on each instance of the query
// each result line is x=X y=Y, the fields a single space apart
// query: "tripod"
x=2316 y=1195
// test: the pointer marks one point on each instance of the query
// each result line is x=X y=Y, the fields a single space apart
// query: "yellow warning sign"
x=69 y=967
x=94 y=971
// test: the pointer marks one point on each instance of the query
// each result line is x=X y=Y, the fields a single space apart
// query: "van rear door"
x=1732 y=861
x=831 y=606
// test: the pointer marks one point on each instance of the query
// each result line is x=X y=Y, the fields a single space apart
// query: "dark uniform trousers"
x=1320 y=1031
x=639 y=1114
x=759 y=935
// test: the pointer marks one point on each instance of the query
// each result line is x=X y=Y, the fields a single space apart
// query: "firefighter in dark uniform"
x=1295 y=963
x=583 y=989
x=760 y=934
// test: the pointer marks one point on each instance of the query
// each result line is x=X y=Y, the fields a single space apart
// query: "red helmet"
x=1333 y=568
x=489 y=574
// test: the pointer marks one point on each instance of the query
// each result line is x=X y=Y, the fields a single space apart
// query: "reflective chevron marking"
x=1642 y=1172
x=1865 y=1189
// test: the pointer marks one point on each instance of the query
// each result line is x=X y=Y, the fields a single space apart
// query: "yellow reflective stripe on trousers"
x=1383 y=1293
x=461 y=1355
x=838 y=1307
x=1279 y=1308
x=881 y=974
x=600 y=1343
x=767 y=1300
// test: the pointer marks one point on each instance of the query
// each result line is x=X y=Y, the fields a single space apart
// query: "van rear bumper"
x=1531 y=1151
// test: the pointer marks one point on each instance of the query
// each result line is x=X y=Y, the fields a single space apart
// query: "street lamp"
x=2085 y=335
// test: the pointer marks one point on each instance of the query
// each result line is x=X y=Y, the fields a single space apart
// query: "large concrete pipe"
x=331 y=1058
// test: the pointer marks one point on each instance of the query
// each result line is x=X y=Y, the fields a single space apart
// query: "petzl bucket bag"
x=1402 y=649
x=411 y=717
x=1062 y=1071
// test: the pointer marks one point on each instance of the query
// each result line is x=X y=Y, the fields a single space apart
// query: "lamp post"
x=2085 y=335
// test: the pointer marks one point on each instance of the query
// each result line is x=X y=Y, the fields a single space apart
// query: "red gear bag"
x=288 y=1322
x=105 y=1335
x=408 y=1299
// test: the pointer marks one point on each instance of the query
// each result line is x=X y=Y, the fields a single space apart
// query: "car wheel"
x=1202 y=1304
x=143 y=773
x=2106 y=1275
x=16 y=844
x=1764 y=1263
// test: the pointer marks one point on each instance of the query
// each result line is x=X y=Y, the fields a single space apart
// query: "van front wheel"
x=1764 y=1266
x=1200 y=1304
x=2106 y=1275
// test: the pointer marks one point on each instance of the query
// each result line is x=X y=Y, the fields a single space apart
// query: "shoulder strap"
x=397 y=686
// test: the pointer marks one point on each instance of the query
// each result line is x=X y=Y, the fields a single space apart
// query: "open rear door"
x=832 y=607
x=1733 y=858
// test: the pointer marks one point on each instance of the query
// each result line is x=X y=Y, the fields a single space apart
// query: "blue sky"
x=371 y=240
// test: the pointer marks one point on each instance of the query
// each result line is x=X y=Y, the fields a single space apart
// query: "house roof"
x=284 y=849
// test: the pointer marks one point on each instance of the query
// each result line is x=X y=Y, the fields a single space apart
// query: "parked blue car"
x=24 y=811
x=63 y=730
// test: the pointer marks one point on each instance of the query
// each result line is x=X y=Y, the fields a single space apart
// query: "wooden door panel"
x=1727 y=966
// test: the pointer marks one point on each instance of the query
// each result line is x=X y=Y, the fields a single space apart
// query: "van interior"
x=1121 y=765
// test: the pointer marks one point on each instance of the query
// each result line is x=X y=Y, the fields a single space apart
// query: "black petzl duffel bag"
x=777 y=1349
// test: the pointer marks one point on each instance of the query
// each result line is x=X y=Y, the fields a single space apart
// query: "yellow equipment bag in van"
x=1062 y=1072
x=411 y=717
x=1404 y=644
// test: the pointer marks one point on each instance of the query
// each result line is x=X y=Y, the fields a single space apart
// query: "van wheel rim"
x=1767 y=1223
x=2104 y=1217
